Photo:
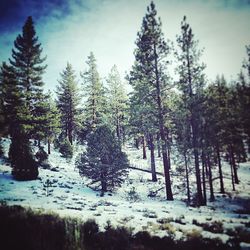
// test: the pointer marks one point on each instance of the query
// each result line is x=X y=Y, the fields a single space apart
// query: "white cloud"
x=109 y=28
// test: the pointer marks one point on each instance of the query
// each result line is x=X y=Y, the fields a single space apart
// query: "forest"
x=185 y=126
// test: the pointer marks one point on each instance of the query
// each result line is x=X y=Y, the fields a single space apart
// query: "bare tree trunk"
x=196 y=162
x=169 y=162
x=204 y=179
x=210 y=178
x=187 y=178
x=137 y=143
x=144 y=154
x=236 y=179
x=70 y=136
x=152 y=156
x=222 y=190
x=103 y=185
x=162 y=131
x=49 y=146
x=232 y=175
x=159 y=145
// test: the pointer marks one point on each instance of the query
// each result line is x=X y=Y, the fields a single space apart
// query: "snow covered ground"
x=130 y=205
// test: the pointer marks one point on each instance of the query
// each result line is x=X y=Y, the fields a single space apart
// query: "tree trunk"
x=94 y=111
x=144 y=154
x=137 y=143
x=118 y=130
x=210 y=179
x=49 y=146
x=169 y=162
x=196 y=162
x=163 y=137
x=194 y=133
x=232 y=175
x=222 y=190
x=236 y=179
x=70 y=136
x=158 y=145
x=204 y=179
x=152 y=156
x=187 y=178
x=103 y=185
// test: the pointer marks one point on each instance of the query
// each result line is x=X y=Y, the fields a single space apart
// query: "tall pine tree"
x=117 y=103
x=94 y=94
x=23 y=95
x=191 y=83
x=149 y=72
x=68 y=100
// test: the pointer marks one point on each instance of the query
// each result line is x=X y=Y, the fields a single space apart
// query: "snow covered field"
x=62 y=190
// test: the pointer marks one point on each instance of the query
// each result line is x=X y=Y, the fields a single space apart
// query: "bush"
x=66 y=149
x=132 y=195
x=22 y=228
x=1 y=148
x=24 y=166
x=89 y=230
x=213 y=227
x=240 y=233
x=41 y=155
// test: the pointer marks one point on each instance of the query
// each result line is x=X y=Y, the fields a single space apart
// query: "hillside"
x=61 y=189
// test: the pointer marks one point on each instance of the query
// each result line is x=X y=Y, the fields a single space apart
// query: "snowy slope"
x=69 y=195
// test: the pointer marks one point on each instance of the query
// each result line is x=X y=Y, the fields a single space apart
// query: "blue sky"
x=69 y=30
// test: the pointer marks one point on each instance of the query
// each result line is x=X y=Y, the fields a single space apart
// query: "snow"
x=69 y=195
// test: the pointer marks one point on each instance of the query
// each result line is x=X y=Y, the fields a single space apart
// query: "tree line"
x=204 y=121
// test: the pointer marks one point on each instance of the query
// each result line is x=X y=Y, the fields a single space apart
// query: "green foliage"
x=28 y=78
x=150 y=82
x=132 y=195
x=103 y=162
x=68 y=99
x=66 y=149
x=117 y=104
x=191 y=84
x=23 y=100
x=24 y=166
x=39 y=230
x=95 y=106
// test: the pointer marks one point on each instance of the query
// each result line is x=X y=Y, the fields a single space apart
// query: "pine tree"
x=149 y=72
x=95 y=99
x=246 y=63
x=182 y=136
x=191 y=83
x=53 y=122
x=103 y=162
x=23 y=93
x=117 y=103
x=244 y=95
x=28 y=69
x=68 y=99
x=216 y=117
x=234 y=134
x=11 y=96
x=143 y=123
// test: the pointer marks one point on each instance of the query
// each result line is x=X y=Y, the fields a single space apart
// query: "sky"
x=70 y=29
